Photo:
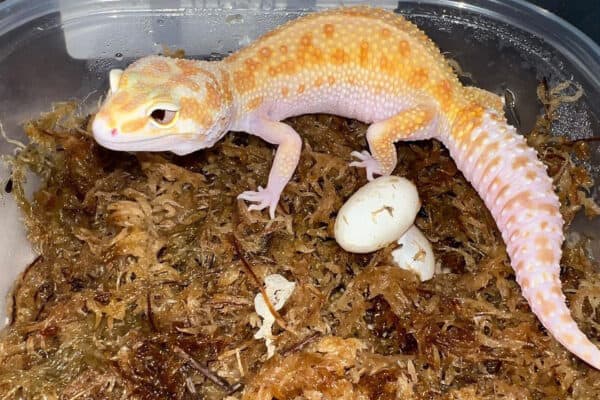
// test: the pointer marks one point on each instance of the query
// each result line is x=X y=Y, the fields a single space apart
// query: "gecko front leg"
x=412 y=124
x=285 y=162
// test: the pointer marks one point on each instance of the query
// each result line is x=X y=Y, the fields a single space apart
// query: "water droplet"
x=234 y=19
x=119 y=56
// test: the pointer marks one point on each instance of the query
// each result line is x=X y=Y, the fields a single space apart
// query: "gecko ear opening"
x=114 y=78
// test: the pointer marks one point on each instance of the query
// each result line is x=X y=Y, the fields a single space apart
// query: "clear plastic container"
x=53 y=50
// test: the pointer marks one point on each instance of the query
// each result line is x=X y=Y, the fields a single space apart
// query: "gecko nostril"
x=114 y=132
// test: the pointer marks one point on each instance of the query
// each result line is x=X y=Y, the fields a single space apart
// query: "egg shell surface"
x=377 y=214
x=415 y=254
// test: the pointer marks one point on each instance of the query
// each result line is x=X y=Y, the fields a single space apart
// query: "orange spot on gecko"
x=212 y=97
x=443 y=92
x=539 y=298
x=315 y=55
x=566 y=318
x=251 y=65
x=418 y=78
x=191 y=108
x=319 y=82
x=548 y=208
x=159 y=66
x=265 y=52
x=187 y=67
x=289 y=67
x=522 y=199
x=184 y=81
x=544 y=225
x=243 y=81
x=328 y=30
x=556 y=290
x=255 y=103
x=301 y=89
x=546 y=256
x=404 y=48
x=491 y=148
x=531 y=175
x=364 y=53
x=385 y=64
x=338 y=56
x=466 y=120
x=330 y=80
x=520 y=162
x=542 y=241
x=272 y=71
x=525 y=283
x=285 y=91
x=385 y=33
x=225 y=88
x=134 y=125
x=306 y=40
x=479 y=140
x=283 y=49
x=569 y=338
x=547 y=308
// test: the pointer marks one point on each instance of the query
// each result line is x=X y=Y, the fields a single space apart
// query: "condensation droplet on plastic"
x=234 y=19
x=118 y=56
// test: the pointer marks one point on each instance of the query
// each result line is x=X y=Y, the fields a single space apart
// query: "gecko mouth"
x=123 y=142
x=169 y=142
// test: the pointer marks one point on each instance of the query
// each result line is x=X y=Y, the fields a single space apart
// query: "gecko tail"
x=517 y=190
x=548 y=302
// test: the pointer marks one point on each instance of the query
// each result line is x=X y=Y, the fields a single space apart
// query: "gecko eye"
x=163 y=118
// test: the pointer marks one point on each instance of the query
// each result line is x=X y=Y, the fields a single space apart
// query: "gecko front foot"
x=368 y=162
x=263 y=198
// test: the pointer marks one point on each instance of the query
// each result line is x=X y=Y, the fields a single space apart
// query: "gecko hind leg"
x=285 y=162
x=413 y=124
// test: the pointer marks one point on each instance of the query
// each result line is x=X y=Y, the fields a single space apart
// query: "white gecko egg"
x=377 y=214
x=415 y=254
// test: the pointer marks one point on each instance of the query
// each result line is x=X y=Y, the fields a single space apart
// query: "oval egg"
x=377 y=214
x=415 y=254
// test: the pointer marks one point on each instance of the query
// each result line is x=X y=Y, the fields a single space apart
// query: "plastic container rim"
x=568 y=40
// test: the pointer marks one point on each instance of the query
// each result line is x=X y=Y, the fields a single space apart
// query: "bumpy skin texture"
x=376 y=67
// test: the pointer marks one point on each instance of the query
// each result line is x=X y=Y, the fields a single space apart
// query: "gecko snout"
x=102 y=130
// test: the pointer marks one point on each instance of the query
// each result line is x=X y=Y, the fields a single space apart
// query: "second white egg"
x=377 y=214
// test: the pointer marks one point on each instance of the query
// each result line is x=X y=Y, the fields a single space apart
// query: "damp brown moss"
x=141 y=288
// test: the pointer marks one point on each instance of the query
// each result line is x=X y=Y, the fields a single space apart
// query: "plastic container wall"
x=55 y=50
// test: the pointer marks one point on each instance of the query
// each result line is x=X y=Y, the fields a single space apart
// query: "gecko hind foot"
x=262 y=198
x=367 y=162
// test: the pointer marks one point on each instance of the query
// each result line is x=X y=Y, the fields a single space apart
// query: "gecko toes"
x=262 y=198
x=367 y=162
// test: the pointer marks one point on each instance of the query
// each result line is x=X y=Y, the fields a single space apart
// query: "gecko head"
x=164 y=104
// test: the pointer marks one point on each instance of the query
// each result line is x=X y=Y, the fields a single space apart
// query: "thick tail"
x=516 y=189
